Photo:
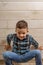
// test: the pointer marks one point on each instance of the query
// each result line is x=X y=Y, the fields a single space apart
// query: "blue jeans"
x=11 y=56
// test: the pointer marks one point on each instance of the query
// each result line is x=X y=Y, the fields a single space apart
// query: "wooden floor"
x=2 y=63
x=29 y=63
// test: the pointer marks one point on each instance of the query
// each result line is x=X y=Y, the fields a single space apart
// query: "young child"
x=21 y=46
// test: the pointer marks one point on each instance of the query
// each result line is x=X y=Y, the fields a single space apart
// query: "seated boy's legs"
x=9 y=56
x=33 y=54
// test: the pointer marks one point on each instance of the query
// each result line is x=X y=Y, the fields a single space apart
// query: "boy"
x=21 y=46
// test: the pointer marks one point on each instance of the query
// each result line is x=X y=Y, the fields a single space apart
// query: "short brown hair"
x=22 y=24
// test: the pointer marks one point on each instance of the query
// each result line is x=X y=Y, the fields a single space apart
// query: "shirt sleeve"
x=33 y=42
x=9 y=38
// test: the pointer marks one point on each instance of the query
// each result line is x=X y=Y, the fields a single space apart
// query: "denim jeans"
x=11 y=56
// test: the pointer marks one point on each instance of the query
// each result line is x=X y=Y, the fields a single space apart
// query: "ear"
x=27 y=30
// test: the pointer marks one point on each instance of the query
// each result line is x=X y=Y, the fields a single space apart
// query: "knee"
x=38 y=52
x=5 y=54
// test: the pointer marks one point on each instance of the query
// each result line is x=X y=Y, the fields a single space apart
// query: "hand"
x=40 y=48
x=7 y=47
x=32 y=47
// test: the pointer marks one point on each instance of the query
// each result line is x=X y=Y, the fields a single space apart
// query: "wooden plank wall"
x=12 y=11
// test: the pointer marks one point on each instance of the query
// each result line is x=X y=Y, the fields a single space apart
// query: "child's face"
x=21 y=33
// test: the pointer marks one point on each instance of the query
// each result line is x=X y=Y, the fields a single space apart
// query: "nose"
x=21 y=35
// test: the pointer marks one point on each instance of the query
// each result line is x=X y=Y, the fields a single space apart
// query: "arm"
x=9 y=38
x=34 y=42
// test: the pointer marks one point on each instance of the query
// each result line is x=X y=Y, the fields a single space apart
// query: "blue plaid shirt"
x=21 y=46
